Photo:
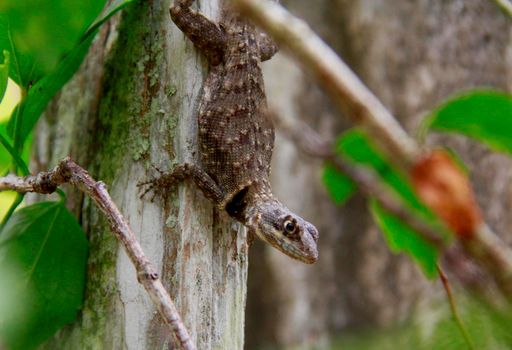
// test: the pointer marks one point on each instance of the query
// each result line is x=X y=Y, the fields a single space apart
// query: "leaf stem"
x=15 y=155
x=453 y=308
x=12 y=208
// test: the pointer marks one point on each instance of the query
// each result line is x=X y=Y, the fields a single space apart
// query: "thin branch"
x=69 y=172
x=453 y=308
x=494 y=254
x=346 y=89
x=367 y=111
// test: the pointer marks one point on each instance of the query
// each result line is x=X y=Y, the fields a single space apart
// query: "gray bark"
x=412 y=54
x=131 y=106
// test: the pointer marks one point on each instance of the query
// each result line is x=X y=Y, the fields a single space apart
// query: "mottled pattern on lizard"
x=236 y=136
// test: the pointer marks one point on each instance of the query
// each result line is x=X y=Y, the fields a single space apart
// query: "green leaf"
x=40 y=94
x=43 y=91
x=41 y=32
x=9 y=154
x=483 y=115
x=355 y=146
x=111 y=9
x=339 y=186
x=401 y=237
x=45 y=244
x=22 y=68
x=4 y=74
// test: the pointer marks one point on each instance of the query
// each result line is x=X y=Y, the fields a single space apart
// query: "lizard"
x=235 y=132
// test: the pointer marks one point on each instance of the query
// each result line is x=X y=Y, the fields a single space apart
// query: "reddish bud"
x=445 y=188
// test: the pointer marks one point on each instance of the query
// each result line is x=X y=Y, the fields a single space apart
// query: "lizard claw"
x=159 y=185
x=151 y=186
x=160 y=171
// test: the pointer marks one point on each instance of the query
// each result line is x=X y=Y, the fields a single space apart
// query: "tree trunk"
x=412 y=54
x=132 y=105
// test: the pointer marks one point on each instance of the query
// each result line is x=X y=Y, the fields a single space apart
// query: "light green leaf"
x=339 y=186
x=45 y=244
x=40 y=33
x=485 y=116
x=21 y=68
x=8 y=154
x=355 y=146
x=401 y=237
x=111 y=9
x=43 y=91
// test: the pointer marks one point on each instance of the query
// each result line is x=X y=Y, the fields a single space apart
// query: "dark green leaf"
x=483 y=115
x=401 y=237
x=4 y=73
x=339 y=186
x=48 y=248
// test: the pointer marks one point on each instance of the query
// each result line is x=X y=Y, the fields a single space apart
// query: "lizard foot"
x=158 y=185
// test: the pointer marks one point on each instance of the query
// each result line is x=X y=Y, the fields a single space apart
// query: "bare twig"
x=493 y=254
x=453 y=308
x=335 y=76
x=69 y=172
x=368 y=112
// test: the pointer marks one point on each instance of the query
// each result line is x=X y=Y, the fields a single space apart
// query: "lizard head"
x=277 y=225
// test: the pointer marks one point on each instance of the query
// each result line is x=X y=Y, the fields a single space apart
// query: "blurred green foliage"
x=435 y=329
x=339 y=186
x=401 y=237
x=355 y=146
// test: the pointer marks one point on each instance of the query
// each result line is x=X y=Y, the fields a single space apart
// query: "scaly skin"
x=236 y=137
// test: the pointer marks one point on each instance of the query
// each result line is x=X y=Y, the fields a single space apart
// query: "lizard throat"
x=244 y=205
x=237 y=207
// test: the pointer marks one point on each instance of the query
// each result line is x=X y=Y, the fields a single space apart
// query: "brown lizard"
x=236 y=136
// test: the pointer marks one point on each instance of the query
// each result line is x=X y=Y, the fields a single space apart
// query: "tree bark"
x=132 y=105
x=412 y=54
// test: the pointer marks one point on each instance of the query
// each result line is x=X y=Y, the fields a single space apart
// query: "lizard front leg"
x=205 y=34
x=183 y=172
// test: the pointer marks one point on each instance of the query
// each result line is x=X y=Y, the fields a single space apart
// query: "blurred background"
x=412 y=55
x=359 y=295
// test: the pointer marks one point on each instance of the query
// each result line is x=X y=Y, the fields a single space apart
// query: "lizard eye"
x=289 y=226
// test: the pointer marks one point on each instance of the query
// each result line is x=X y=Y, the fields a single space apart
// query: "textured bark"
x=412 y=54
x=129 y=107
